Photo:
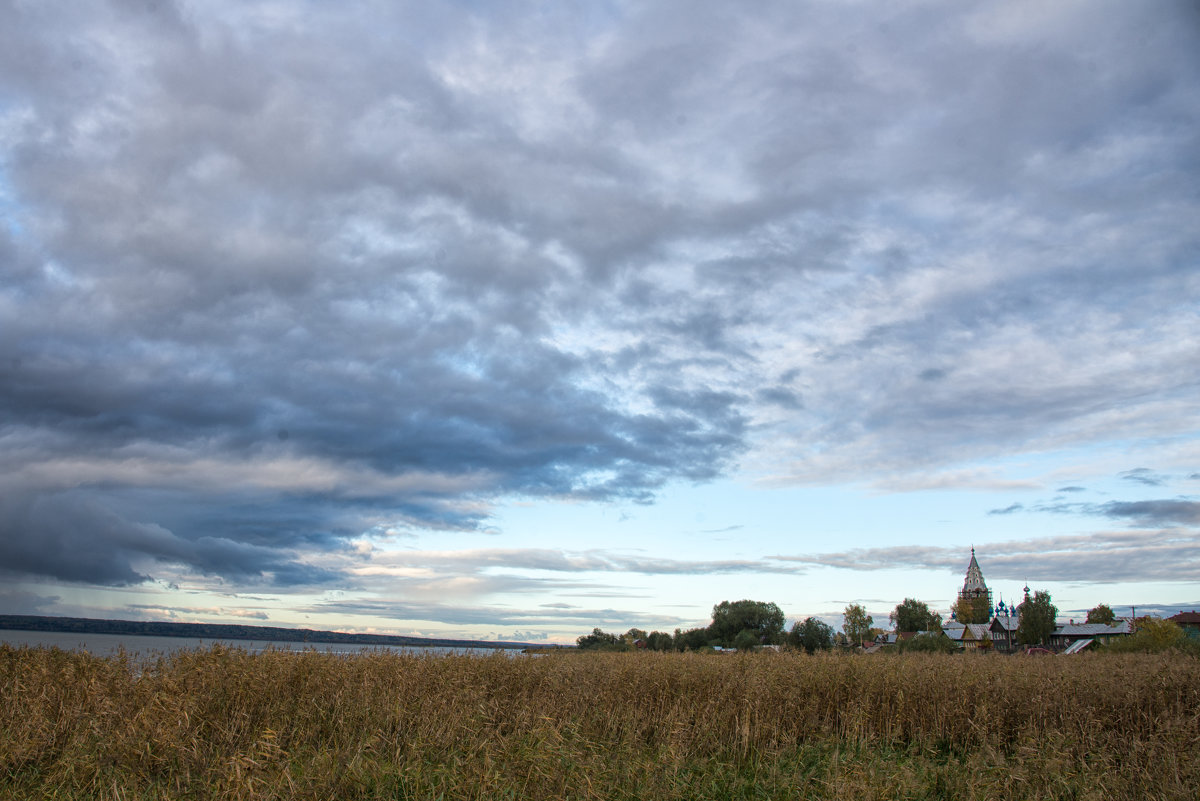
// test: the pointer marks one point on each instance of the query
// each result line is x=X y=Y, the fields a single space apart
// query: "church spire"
x=975 y=595
x=974 y=585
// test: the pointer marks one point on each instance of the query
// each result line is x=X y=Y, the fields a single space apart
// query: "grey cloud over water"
x=453 y=614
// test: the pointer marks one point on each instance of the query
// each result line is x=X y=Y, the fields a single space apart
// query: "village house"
x=1003 y=631
x=1074 y=637
x=969 y=636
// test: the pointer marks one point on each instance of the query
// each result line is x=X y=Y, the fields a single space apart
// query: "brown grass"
x=223 y=723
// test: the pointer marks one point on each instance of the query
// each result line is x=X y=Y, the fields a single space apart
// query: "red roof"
x=1186 y=617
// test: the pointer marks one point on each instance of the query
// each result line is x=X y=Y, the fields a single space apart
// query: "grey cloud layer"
x=1120 y=556
x=552 y=560
x=475 y=615
x=375 y=265
x=1148 y=513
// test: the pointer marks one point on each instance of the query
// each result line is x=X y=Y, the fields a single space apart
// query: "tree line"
x=749 y=624
x=735 y=624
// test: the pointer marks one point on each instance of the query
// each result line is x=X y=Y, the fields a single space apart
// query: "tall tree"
x=1037 y=619
x=914 y=615
x=659 y=641
x=729 y=619
x=1101 y=614
x=856 y=623
x=812 y=635
x=972 y=610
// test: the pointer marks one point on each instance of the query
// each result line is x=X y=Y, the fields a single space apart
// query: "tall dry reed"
x=224 y=723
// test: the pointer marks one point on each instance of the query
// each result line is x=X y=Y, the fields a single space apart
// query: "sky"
x=509 y=320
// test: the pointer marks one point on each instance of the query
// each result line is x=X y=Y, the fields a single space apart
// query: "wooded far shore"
x=224 y=631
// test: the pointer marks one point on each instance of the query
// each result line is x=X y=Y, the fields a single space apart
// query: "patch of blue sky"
x=706 y=521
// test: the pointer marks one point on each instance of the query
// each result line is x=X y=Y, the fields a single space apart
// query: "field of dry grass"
x=227 y=724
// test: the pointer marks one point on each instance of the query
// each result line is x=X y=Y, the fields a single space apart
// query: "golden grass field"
x=224 y=723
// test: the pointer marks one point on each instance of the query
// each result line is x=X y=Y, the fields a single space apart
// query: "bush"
x=935 y=643
x=1154 y=635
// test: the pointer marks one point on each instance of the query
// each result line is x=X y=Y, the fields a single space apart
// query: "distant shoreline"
x=233 y=631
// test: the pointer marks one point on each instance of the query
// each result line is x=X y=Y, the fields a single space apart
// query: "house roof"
x=1093 y=629
x=967 y=632
x=1185 y=617
x=892 y=638
x=1002 y=623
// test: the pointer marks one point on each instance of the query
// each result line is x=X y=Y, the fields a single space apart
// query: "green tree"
x=1101 y=614
x=972 y=610
x=691 y=639
x=659 y=641
x=729 y=619
x=746 y=640
x=1152 y=634
x=914 y=615
x=1037 y=616
x=599 y=640
x=856 y=623
x=811 y=635
x=1160 y=634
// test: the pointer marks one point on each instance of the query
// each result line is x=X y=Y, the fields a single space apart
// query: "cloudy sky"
x=513 y=319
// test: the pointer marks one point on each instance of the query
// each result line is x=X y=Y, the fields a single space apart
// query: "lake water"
x=134 y=644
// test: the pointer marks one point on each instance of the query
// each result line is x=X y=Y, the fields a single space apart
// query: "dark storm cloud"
x=79 y=537
x=271 y=276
